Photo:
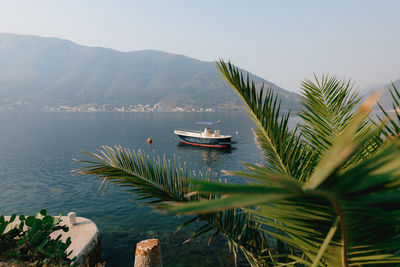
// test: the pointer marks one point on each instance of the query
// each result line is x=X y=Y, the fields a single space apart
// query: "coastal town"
x=158 y=107
x=93 y=107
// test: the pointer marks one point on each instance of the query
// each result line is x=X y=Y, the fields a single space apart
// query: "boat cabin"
x=208 y=133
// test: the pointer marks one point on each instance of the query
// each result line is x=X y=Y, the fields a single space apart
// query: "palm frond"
x=362 y=198
x=345 y=145
x=328 y=106
x=157 y=181
x=285 y=152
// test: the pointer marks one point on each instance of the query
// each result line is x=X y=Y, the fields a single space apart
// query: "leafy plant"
x=30 y=241
x=328 y=190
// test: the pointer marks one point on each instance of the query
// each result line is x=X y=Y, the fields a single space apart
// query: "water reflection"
x=208 y=155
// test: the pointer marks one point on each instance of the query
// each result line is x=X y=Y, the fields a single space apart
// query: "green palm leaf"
x=156 y=181
x=285 y=151
x=328 y=106
x=363 y=198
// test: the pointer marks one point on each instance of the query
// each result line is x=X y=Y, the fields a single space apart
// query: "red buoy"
x=149 y=140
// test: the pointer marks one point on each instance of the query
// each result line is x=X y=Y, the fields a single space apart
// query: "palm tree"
x=328 y=190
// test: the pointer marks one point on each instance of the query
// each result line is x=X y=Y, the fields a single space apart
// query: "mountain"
x=386 y=99
x=40 y=71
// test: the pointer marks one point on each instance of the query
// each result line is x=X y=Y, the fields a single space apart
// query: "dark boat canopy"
x=208 y=122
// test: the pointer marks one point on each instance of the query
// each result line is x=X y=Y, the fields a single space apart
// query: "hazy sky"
x=281 y=41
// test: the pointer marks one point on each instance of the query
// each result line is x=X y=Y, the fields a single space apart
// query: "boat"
x=205 y=138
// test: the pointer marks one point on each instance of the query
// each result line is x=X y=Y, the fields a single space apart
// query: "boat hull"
x=205 y=142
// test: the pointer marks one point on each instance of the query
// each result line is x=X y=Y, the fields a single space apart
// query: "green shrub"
x=30 y=242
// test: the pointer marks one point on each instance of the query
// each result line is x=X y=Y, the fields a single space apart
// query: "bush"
x=30 y=241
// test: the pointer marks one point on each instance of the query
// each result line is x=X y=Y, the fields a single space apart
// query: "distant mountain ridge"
x=39 y=71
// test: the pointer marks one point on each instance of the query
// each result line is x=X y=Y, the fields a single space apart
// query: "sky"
x=284 y=42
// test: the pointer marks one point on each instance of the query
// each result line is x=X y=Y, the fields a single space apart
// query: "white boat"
x=206 y=138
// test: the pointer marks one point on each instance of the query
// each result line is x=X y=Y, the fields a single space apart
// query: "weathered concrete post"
x=148 y=253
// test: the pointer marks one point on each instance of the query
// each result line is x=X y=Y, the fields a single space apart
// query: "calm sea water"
x=36 y=152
